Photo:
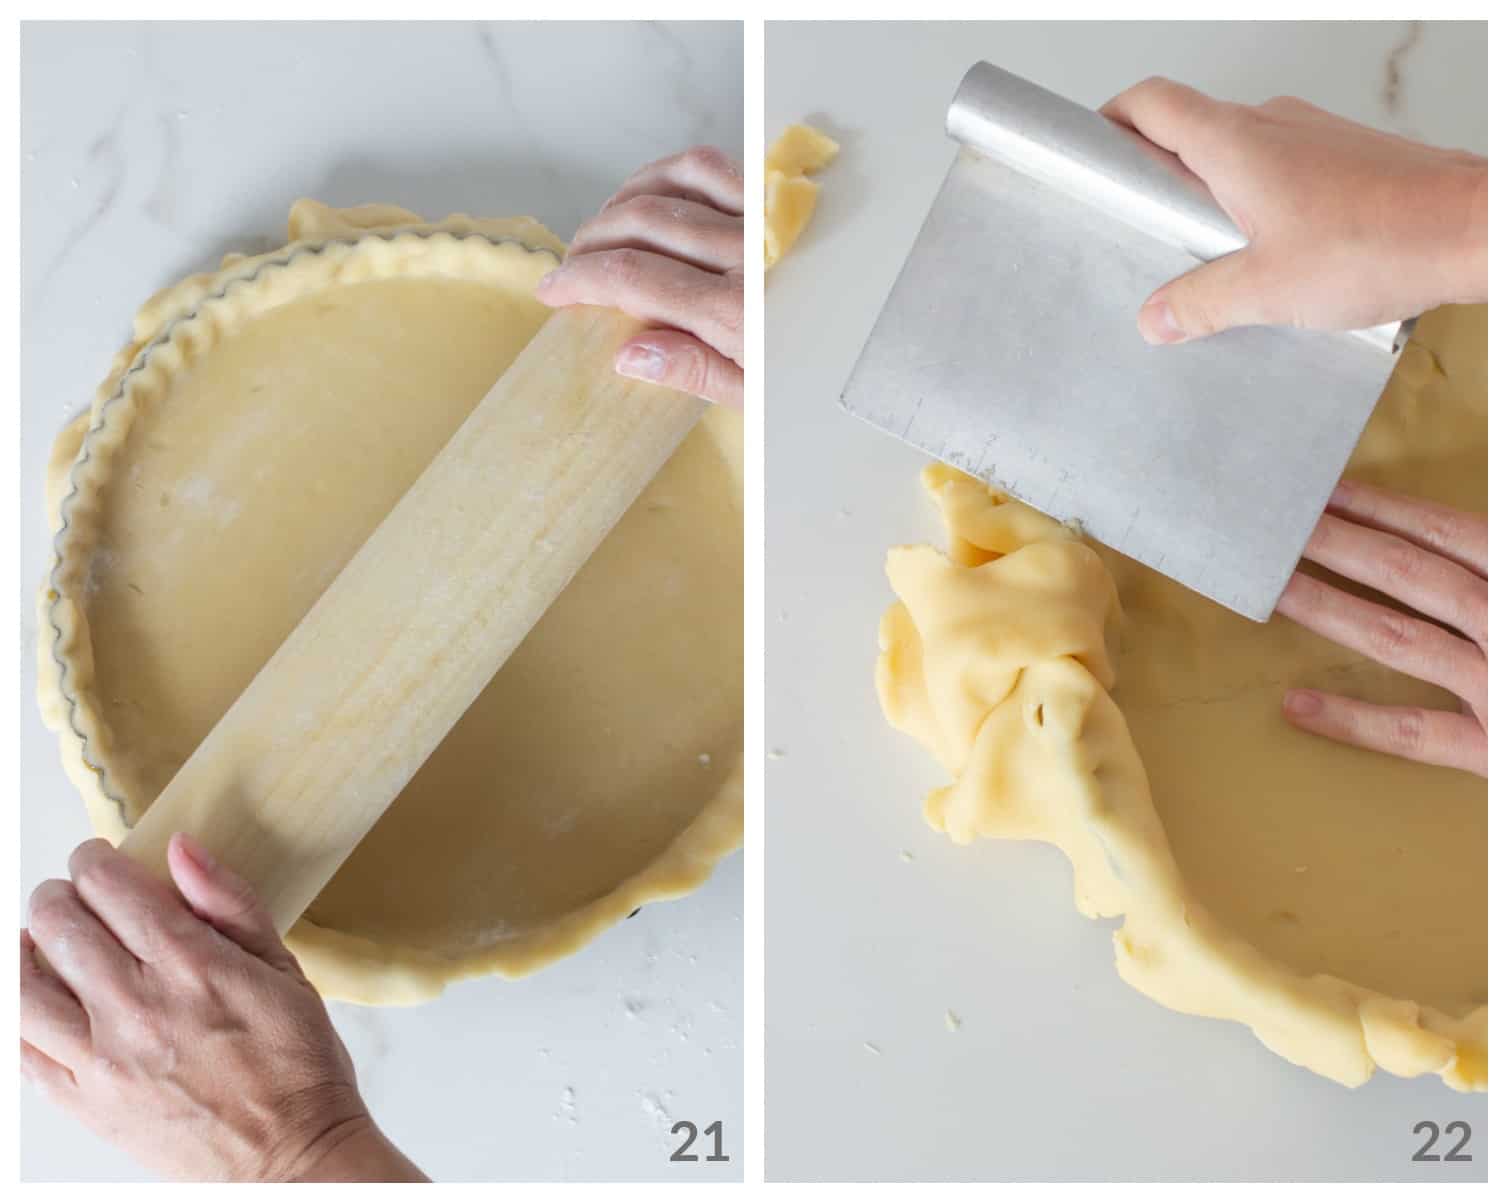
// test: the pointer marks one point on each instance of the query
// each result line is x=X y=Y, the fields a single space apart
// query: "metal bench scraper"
x=1008 y=347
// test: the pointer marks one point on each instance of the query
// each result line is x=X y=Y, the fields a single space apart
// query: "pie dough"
x=1333 y=900
x=789 y=196
x=219 y=484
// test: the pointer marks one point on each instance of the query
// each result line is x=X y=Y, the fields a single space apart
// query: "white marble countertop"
x=149 y=151
x=1058 y=1070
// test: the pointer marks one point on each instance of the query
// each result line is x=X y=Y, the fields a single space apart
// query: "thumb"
x=1215 y=296
x=682 y=362
x=226 y=901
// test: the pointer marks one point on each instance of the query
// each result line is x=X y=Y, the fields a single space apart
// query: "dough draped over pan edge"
x=179 y=324
x=999 y=659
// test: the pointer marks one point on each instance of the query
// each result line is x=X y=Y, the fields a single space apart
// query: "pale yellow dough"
x=790 y=197
x=1333 y=900
x=216 y=496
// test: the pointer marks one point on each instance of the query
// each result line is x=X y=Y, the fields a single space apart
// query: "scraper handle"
x=1091 y=158
x=1086 y=156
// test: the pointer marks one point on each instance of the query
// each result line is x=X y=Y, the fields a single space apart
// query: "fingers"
x=1421 y=580
x=656 y=289
x=1411 y=645
x=52 y=1021
x=144 y=914
x=1430 y=736
x=682 y=229
x=1406 y=554
x=667 y=248
x=1219 y=295
x=55 y=1080
x=681 y=362
x=81 y=952
x=1457 y=536
x=1226 y=292
x=226 y=901
x=703 y=174
x=1174 y=116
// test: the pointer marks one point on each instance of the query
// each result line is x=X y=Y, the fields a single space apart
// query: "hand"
x=181 y=1028
x=668 y=247
x=1431 y=558
x=1348 y=226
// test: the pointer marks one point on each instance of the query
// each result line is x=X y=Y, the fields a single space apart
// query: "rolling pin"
x=392 y=654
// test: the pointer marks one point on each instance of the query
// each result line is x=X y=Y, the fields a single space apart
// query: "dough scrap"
x=789 y=196
x=226 y=473
x=1332 y=900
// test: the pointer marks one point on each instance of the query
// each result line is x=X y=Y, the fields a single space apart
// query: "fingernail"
x=641 y=362
x=1158 y=325
x=196 y=852
x=547 y=279
x=1301 y=703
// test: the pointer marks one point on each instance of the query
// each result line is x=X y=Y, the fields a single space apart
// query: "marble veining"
x=1394 y=89
x=1078 y=1080
x=148 y=152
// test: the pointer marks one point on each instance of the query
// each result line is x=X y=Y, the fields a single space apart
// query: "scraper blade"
x=1008 y=347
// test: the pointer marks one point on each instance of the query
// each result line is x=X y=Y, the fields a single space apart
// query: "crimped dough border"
x=328 y=248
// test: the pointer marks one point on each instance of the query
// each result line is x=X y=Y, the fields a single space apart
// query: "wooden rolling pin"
x=388 y=659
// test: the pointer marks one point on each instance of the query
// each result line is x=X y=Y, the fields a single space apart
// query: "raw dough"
x=600 y=770
x=1333 y=900
x=789 y=196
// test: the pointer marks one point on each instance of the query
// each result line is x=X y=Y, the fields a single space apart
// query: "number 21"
x=688 y=1129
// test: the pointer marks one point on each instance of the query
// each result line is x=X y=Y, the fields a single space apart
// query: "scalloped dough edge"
x=326 y=246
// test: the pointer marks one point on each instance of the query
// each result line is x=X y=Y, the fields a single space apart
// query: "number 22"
x=1455 y=1126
